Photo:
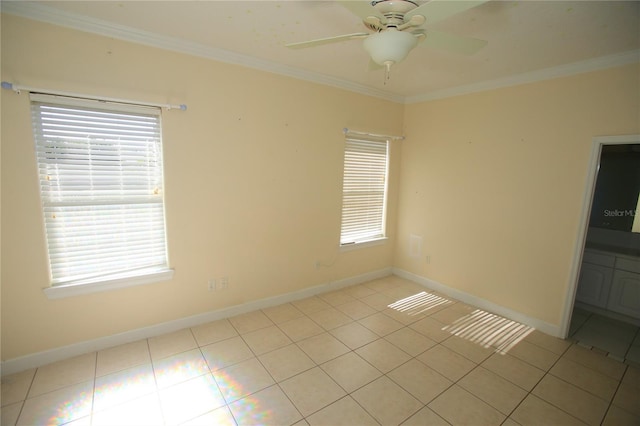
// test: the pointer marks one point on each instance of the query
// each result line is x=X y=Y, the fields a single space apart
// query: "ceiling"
x=527 y=40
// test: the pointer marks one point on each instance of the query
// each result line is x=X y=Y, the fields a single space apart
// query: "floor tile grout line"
x=580 y=387
x=614 y=394
x=530 y=392
x=582 y=324
x=383 y=337
x=633 y=339
x=349 y=395
x=275 y=382
x=495 y=350
x=302 y=417
x=327 y=331
x=26 y=396
x=432 y=399
x=383 y=374
x=548 y=372
x=323 y=407
x=155 y=381
x=412 y=357
x=353 y=350
x=93 y=392
x=453 y=382
x=593 y=317
x=477 y=365
x=209 y=371
x=319 y=365
x=213 y=375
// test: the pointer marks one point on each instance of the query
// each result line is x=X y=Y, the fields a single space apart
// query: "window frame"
x=366 y=143
x=61 y=285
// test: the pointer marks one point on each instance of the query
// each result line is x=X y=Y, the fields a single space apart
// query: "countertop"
x=627 y=251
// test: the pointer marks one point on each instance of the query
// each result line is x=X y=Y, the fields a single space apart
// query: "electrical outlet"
x=224 y=283
x=212 y=284
x=428 y=259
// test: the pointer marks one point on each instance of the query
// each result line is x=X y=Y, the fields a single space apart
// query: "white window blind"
x=101 y=184
x=364 y=190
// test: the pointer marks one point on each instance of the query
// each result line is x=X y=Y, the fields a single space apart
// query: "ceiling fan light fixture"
x=389 y=46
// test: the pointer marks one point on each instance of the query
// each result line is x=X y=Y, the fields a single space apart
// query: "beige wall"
x=494 y=181
x=252 y=172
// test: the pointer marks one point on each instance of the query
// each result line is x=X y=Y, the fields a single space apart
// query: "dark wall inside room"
x=616 y=195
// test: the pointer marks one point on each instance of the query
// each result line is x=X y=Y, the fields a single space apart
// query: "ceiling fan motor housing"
x=391 y=14
x=394 y=6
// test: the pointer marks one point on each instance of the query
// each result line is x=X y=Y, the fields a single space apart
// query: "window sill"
x=363 y=244
x=88 y=287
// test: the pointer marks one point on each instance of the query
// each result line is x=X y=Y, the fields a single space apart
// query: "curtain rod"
x=16 y=88
x=374 y=135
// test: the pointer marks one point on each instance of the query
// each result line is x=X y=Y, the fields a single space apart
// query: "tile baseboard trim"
x=545 y=327
x=38 y=359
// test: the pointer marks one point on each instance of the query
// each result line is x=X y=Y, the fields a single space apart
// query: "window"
x=364 y=190
x=101 y=186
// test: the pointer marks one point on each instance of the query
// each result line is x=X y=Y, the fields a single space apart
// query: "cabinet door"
x=594 y=284
x=625 y=293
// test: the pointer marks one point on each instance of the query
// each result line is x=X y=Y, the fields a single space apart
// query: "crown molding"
x=74 y=21
x=54 y=16
x=589 y=65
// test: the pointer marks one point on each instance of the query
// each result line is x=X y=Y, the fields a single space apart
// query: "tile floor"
x=385 y=352
x=620 y=340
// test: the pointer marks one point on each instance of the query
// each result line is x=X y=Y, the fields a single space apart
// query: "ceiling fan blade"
x=453 y=43
x=361 y=8
x=437 y=10
x=321 y=41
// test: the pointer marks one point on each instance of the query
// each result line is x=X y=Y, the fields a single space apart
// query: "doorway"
x=601 y=310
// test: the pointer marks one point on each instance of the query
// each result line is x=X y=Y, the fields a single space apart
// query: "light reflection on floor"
x=247 y=410
x=191 y=398
x=71 y=409
x=145 y=411
x=132 y=397
x=481 y=327
x=123 y=386
x=489 y=330
x=178 y=368
x=419 y=303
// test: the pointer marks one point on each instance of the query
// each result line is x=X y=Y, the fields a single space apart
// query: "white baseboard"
x=545 y=327
x=46 y=357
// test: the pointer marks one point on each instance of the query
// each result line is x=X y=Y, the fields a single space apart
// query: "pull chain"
x=387 y=71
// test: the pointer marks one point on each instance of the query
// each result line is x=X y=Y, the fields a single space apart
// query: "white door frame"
x=583 y=225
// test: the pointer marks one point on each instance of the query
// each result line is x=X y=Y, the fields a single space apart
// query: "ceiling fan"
x=397 y=27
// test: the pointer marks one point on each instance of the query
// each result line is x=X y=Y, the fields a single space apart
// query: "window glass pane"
x=364 y=190
x=101 y=185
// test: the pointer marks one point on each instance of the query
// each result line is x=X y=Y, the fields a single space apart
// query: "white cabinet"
x=624 y=297
x=610 y=281
x=594 y=284
x=599 y=258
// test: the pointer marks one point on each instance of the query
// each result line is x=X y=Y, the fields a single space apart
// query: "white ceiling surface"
x=524 y=38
